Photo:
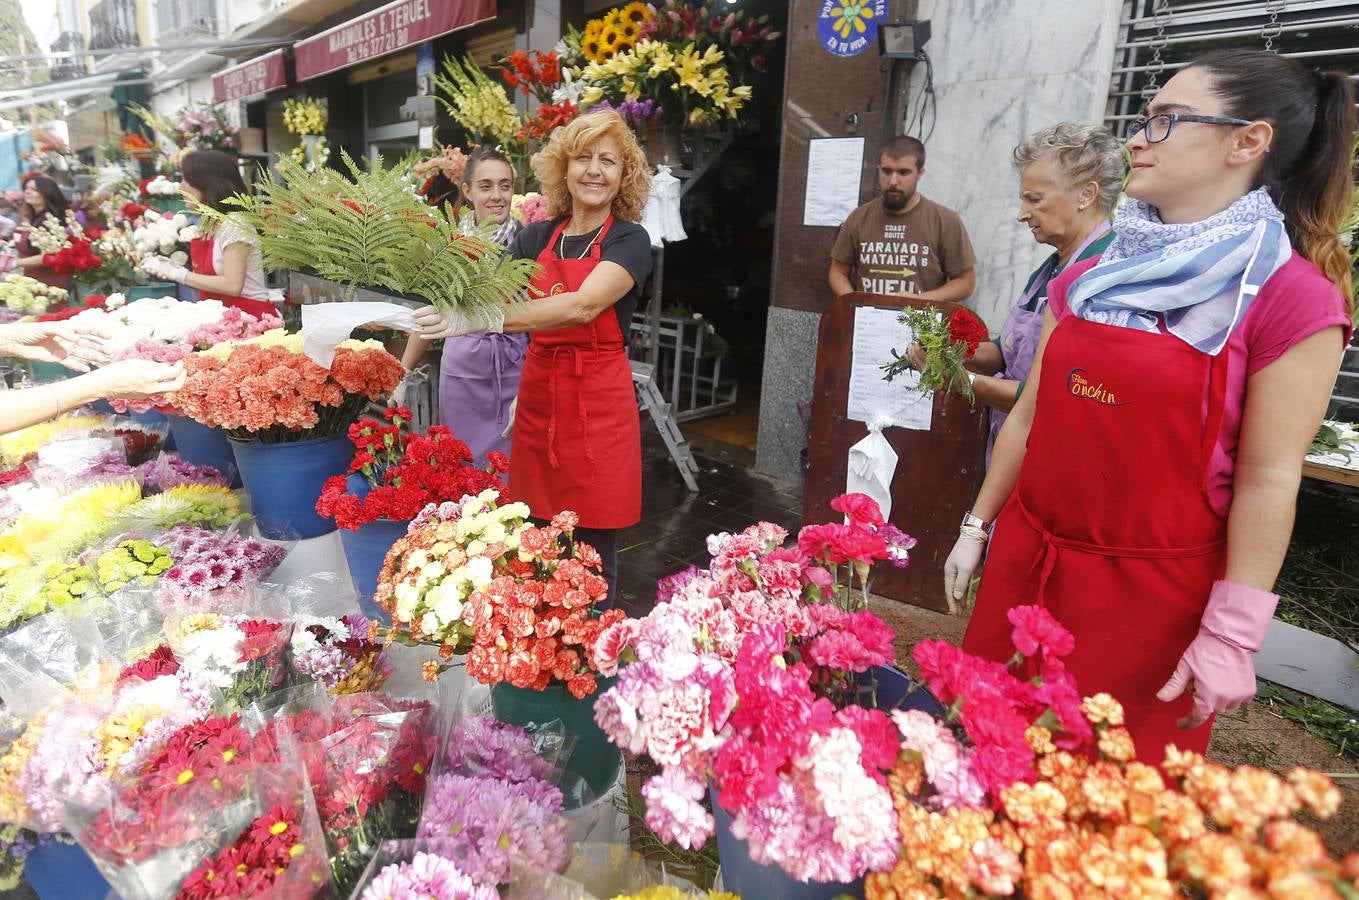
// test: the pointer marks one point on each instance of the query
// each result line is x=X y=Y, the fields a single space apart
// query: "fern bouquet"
x=369 y=228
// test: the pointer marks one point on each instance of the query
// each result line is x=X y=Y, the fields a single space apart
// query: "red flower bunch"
x=158 y=662
x=141 y=186
x=966 y=328
x=132 y=211
x=269 y=857
x=550 y=116
x=998 y=704
x=92 y=301
x=76 y=256
x=18 y=474
x=399 y=475
x=274 y=393
x=743 y=39
x=534 y=75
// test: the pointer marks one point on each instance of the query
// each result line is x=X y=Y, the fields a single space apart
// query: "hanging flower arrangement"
x=307 y=118
x=204 y=126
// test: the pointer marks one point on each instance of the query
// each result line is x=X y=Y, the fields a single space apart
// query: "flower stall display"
x=477 y=102
x=476 y=577
x=1026 y=789
x=692 y=87
x=160 y=320
x=369 y=228
x=204 y=126
x=450 y=162
x=29 y=296
x=161 y=187
x=616 y=31
x=529 y=208
x=287 y=417
x=763 y=676
x=155 y=233
x=340 y=653
x=392 y=477
x=947 y=342
x=307 y=118
x=743 y=39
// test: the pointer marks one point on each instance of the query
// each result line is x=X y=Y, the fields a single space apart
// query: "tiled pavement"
x=675 y=523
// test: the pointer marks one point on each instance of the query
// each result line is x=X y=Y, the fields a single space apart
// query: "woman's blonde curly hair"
x=550 y=163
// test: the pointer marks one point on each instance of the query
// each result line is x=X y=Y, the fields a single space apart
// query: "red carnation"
x=966 y=328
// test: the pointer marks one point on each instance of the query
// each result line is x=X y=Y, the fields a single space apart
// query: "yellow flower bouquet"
x=693 y=88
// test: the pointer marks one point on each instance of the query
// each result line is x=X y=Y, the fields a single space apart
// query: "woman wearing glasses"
x=1143 y=488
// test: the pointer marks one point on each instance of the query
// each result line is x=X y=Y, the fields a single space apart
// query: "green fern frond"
x=368 y=227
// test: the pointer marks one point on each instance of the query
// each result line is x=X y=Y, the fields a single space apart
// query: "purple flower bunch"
x=170 y=469
x=496 y=823
x=206 y=562
x=106 y=465
x=637 y=113
x=328 y=649
x=426 y=877
x=481 y=745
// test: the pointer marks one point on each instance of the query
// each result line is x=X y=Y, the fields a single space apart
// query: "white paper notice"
x=834 y=169
x=876 y=334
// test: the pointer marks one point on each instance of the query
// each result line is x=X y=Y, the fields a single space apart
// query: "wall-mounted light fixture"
x=903 y=40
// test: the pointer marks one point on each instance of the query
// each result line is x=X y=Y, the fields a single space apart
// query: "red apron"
x=1109 y=526
x=577 y=440
x=200 y=254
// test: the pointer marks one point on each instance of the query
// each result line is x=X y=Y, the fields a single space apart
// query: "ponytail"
x=1316 y=196
x=1310 y=164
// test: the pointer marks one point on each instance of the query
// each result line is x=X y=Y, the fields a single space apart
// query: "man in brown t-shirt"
x=900 y=243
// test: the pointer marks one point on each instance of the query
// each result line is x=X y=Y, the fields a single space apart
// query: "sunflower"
x=608 y=42
x=636 y=12
x=592 y=48
x=612 y=21
x=629 y=32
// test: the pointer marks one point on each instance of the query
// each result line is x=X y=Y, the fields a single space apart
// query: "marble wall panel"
x=790 y=352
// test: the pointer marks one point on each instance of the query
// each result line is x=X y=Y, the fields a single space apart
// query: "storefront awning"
x=385 y=30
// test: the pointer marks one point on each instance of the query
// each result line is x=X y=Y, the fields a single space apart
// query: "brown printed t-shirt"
x=903 y=253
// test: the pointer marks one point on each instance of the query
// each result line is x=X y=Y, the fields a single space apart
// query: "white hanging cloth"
x=872 y=463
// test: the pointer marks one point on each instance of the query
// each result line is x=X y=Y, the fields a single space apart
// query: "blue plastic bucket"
x=203 y=445
x=284 y=482
x=58 y=871
x=364 y=552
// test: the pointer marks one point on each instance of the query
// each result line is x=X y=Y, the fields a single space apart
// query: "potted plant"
x=392 y=477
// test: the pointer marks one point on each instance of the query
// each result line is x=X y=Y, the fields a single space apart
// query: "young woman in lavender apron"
x=479 y=373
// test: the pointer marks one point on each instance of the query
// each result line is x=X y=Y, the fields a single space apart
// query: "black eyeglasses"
x=1158 y=127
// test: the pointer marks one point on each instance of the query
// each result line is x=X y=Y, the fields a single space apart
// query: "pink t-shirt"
x=1294 y=304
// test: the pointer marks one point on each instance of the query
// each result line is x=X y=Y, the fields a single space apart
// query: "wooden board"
x=938 y=471
x=1333 y=474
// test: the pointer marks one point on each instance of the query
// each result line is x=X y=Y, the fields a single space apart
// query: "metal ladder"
x=651 y=399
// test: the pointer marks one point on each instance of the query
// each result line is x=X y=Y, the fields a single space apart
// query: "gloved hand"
x=163 y=268
x=431 y=324
x=398 y=397
x=962 y=562
x=1217 y=667
x=137 y=379
x=509 y=423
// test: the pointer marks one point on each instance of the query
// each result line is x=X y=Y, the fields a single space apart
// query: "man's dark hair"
x=902 y=146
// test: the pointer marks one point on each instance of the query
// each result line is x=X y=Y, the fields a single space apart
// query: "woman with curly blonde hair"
x=576 y=433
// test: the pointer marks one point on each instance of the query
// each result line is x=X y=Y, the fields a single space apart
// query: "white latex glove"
x=431 y=324
x=137 y=379
x=398 y=397
x=163 y=268
x=509 y=423
x=962 y=562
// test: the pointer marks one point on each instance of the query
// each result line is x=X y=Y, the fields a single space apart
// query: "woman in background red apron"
x=576 y=432
x=43 y=201
x=226 y=263
x=1146 y=481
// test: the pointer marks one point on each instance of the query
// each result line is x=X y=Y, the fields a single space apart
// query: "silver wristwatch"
x=973 y=521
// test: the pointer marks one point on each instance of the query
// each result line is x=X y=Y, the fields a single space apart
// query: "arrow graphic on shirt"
x=903 y=272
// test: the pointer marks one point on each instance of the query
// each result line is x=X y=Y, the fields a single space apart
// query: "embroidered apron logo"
x=1081 y=386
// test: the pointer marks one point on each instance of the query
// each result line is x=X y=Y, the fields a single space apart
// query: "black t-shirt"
x=626 y=244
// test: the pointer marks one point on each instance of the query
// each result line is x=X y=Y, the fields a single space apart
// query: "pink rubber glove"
x=1217 y=667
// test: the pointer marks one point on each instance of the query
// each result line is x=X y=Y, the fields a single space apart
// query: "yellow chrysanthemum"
x=29 y=536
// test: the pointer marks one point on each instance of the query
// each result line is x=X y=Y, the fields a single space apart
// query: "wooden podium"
x=938 y=471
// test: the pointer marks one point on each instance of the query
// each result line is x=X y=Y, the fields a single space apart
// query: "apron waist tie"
x=1053 y=544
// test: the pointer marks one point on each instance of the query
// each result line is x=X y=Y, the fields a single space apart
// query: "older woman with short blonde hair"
x=576 y=433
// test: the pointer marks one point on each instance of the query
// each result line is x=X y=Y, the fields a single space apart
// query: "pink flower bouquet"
x=749 y=675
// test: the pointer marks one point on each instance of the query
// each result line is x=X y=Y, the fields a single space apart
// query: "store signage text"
x=251 y=78
x=386 y=30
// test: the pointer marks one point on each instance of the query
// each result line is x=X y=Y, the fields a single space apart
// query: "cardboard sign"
x=258 y=76
x=386 y=30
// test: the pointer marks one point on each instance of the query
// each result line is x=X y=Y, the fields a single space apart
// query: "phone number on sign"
x=377 y=45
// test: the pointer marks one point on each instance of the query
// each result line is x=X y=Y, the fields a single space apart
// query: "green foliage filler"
x=369 y=228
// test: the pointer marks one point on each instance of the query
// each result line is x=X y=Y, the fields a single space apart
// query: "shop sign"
x=386 y=30
x=261 y=74
x=848 y=27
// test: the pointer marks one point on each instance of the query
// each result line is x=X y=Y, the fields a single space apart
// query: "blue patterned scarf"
x=1199 y=278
